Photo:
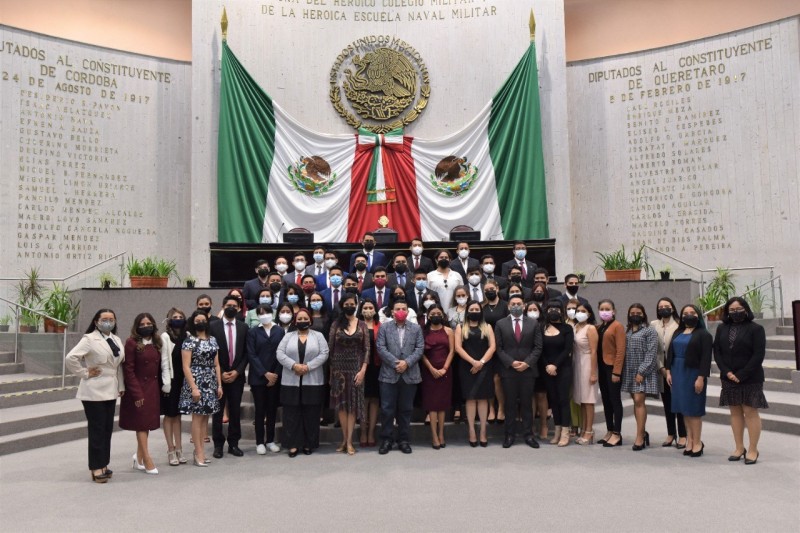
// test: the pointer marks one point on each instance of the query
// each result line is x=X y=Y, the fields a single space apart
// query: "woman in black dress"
x=493 y=310
x=557 y=344
x=739 y=349
x=172 y=377
x=369 y=314
x=475 y=346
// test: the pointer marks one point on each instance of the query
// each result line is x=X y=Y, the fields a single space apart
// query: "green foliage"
x=620 y=260
x=110 y=279
x=58 y=304
x=755 y=297
x=719 y=290
x=5 y=320
x=151 y=267
x=710 y=300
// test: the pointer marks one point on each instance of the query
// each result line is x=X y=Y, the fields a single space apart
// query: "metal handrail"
x=71 y=275
x=770 y=282
x=17 y=307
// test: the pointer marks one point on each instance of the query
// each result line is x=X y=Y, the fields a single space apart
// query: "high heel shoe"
x=100 y=478
x=646 y=439
x=751 y=461
x=473 y=443
x=483 y=443
x=668 y=443
x=136 y=464
x=680 y=446
x=350 y=450
x=293 y=453
x=638 y=447
x=738 y=457
x=172 y=458
x=556 y=435
x=608 y=444
x=564 y=441
x=699 y=453
x=196 y=462
x=179 y=455
x=583 y=441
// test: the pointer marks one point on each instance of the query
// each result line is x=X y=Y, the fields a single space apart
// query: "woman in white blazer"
x=97 y=360
x=301 y=353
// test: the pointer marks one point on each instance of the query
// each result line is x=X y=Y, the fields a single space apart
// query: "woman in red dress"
x=139 y=410
x=437 y=380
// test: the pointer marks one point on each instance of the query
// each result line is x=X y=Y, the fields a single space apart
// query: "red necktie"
x=380 y=299
x=416 y=262
x=360 y=283
x=299 y=278
x=524 y=273
x=335 y=297
x=231 y=349
x=517 y=330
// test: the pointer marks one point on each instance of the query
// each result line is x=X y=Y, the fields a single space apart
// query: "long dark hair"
x=342 y=319
x=93 y=325
x=138 y=338
x=555 y=304
x=428 y=312
x=592 y=319
x=190 y=323
x=644 y=312
x=701 y=324
x=675 y=314
x=726 y=316
x=544 y=291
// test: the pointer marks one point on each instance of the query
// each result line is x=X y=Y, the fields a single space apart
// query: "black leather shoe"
x=484 y=443
x=385 y=447
x=306 y=451
x=404 y=447
x=235 y=451
x=530 y=441
x=293 y=453
x=217 y=453
x=508 y=442
x=738 y=457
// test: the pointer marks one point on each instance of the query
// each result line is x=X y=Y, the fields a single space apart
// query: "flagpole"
x=224 y=24
x=531 y=25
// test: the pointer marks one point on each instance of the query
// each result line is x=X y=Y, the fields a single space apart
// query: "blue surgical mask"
x=520 y=254
x=336 y=280
x=316 y=306
x=292 y=299
x=265 y=300
x=421 y=284
x=318 y=258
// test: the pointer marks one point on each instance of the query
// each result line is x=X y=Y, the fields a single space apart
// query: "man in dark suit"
x=416 y=296
x=541 y=275
x=317 y=268
x=296 y=275
x=515 y=281
x=488 y=267
x=374 y=257
x=333 y=295
x=253 y=287
x=309 y=286
x=474 y=286
x=379 y=292
x=401 y=275
x=362 y=273
x=526 y=267
x=571 y=284
x=275 y=281
x=231 y=335
x=519 y=346
x=417 y=260
x=463 y=262
x=400 y=345
x=324 y=279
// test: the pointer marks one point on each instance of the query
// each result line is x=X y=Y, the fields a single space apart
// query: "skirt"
x=749 y=394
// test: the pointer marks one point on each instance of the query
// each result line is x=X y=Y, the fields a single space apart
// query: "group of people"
x=451 y=334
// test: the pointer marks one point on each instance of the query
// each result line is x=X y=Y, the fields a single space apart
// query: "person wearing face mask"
x=444 y=279
x=665 y=325
x=585 y=389
x=202 y=385
x=540 y=406
x=231 y=335
x=285 y=317
x=739 y=349
x=515 y=285
x=401 y=276
x=140 y=408
x=333 y=295
x=473 y=284
x=349 y=356
x=317 y=267
x=361 y=272
x=324 y=279
x=539 y=294
x=294 y=297
x=295 y=274
x=373 y=257
x=397 y=294
x=320 y=317
x=97 y=359
x=237 y=294
x=437 y=381
x=428 y=302
x=264 y=376
x=526 y=267
x=488 y=270
x=557 y=344
x=417 y=295
x=494 y=310
x=369 y=315
x=281 y=266
x=417 y=261
x=640 y=369
x=455 y=315
x=302 y=352
x=379 y=292
x=541 y=275
x=688 y=365
x=264 y=298
x=610 y=358
x=308 y=286
x=252 y=287
x=205 y=304
x=463 y=263
x=572 y=285
x=277 y=289
x=172 y=378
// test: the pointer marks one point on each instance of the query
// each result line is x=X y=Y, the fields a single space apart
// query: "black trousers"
x=100 y=426
x=265 y=400
x=232 y=397
x=518 y=390
x=397 y=403
x=301 y=426
x=666 y=399
x=612 y=398
x=558 y=395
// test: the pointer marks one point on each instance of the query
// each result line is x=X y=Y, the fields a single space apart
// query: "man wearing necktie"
x=474 y=284
x=378 y=292
x=363 y=277
x=417 y=260
x=372 y=257
x=526 y=267
x=401 y=276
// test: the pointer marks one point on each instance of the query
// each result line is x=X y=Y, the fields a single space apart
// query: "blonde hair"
x=483 y=326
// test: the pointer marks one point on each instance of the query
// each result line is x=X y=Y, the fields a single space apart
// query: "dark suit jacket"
x=698 y=351
x=526 y=293
x=367 y=280
x=378 y=259
x=323 y=281
x=250 y=292
x=327 y=297
x=456 y=266
x=411 y=298
x=425 y=263
x=217 y=329
x=371 y=293
x=564 y=299
x=529 y=349
x=500 y=280
x=530 y=266
x=262 y=353
x=391 y=281
x=552 y=293
x=746 y=357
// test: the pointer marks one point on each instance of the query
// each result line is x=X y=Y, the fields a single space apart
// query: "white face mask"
x=463 y=254
x=265 y=300
x=533 y=314
x=285 y=317
x=474 y=280
x=299 y=265
x=428 y=303
x=265 y=319
x=488 y=268
x=282 y=267
x=571 y=314
x=416 y=250
x=330 y=263
x=461 y=300
x=581 y=316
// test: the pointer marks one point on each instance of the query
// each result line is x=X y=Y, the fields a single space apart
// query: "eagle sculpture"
x=386 y=71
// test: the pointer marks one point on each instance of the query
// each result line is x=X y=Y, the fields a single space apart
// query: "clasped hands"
x=300 y=369
x=230 y=377
x=520 y=366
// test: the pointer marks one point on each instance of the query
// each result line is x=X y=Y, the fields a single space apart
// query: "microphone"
x=277 y=235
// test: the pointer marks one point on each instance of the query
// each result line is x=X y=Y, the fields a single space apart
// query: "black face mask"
x=361 y=267
x=205 y=310
x=572 y=289
x=636 y=320
x=443 y=263
x=691 y=321
x=351 y=290
x=201 y=326
x=263 y=272
x=554 y=316
x=369 y=246
x=664 y=313
x=516 y=278
x=177 y=323
x=230 y=312
x=302 y=326
x=475 y=316
x=275 y=287
x=145 y=331
x=538 y=296
x=401 y=268
x=436 y=320
x=349 y=310
x=738 y=316
x=491 y=295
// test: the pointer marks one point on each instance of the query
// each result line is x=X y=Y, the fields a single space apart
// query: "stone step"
x=11 y=368
x=773 y=368
x=6 y=357
x=29 y=383
x=785 y=330
x=48 y=436
x=16 y=399
x=780 y=355
x=780 y=342
x=721 y=415
x=780 y=403
x=40 y=416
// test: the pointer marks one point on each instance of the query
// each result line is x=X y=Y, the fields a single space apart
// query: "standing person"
x=610 y=358
x=495 y=309
x=526 y=267
x=373 y=256
x=320 y=319
x=172 y=378
x=475 y=345
x=462 y=264
x=571 y=286
x=585 y=390
x=665 y=325
x=264 y=376
x=401 y=275
x=371 y=387
x=204 y=303
x=540 y=405
x=519 y=346
x=739 y=348
x=264 y=298
x=349 y=356
x=139 y=409
x=236 y=294
x=97 y=360
x=286 y=316
x=400 y=345
x=455 y=314
x=443 y=280
x=302 y=353
x=557 y=342
x=202 y=386
x=417 y=260
x=253 y=287
x=688 y=365
x=541 y=275
x=437 y=380
x=385 y=313
x=639 y=375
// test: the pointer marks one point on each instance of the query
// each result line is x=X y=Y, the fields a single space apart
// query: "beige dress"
x=582 y=389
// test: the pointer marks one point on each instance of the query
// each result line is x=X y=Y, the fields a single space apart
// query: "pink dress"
x=582 y=390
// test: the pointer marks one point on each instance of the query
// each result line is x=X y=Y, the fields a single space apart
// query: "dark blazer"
x=529 y=349
x=327 y=297
x=372 y=294
x=502 y=282
x=530 y=266
x=378 y=259
x=698 y=351
x=526 y=293
x=456 y=266
x=250 y=292
x=261 y=353
x=367 y=280
x=564 y=299
x=425 y=263
x=217 y=329
x=391 y=281
x=561 y=357
x=553 y=293
x=746 y=357
x=411 y=298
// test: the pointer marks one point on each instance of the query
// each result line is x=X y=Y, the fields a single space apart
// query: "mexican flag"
x=274 y=174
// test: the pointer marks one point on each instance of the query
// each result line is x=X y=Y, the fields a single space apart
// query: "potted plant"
x=618 y=266
x=30 y=292
x=708 y=301
x=756 y=298
x=151 y=272
x=722 y=283
x=5 y=323
x=581 y=277
x=107 y=280
x=191 y=281
x=28 y=322
x=58 y=304
x=665 y=272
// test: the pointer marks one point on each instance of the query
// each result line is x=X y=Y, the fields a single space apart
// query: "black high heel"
x=737 y=457
x=700 y=453
x=607 y=444
x=473 y=443
x=484 y=443
x=293 y=453
x=646 y=439
x=751 y=461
